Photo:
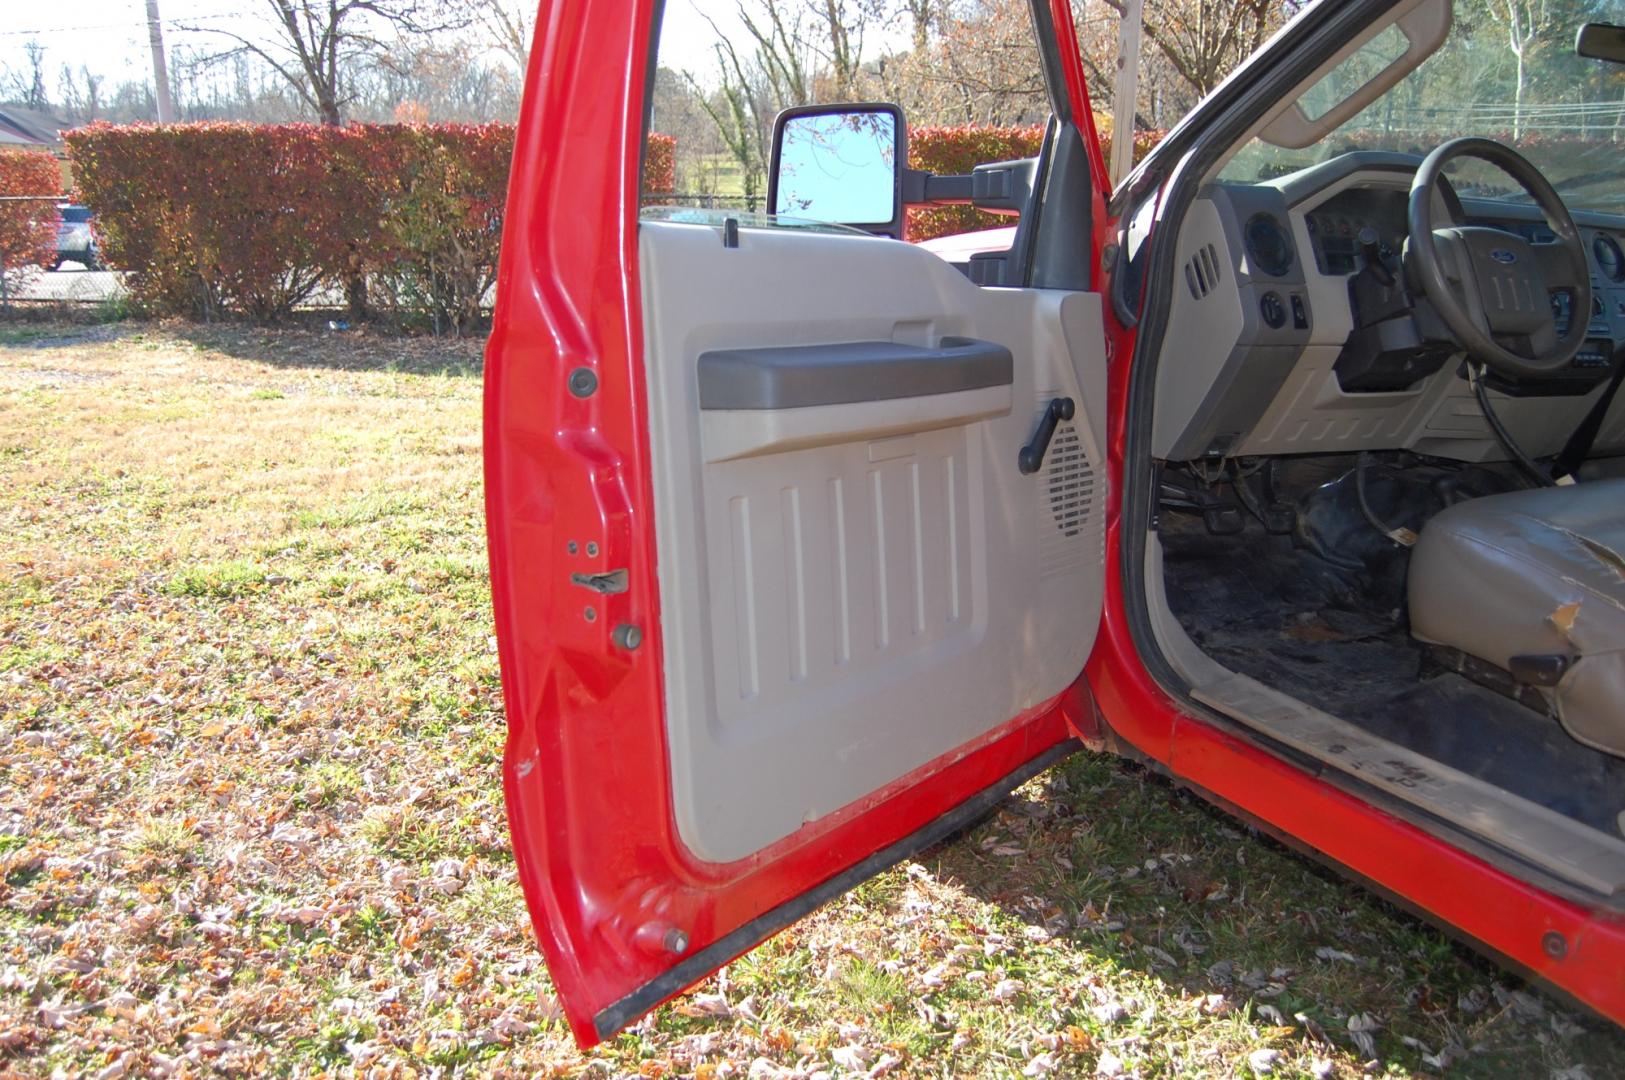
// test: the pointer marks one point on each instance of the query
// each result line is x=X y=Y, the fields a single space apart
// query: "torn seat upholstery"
x=1534 y=583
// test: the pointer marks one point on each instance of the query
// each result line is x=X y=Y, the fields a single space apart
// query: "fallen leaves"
x=251 y=820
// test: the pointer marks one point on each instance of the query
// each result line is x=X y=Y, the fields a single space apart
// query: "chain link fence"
x=65 y=282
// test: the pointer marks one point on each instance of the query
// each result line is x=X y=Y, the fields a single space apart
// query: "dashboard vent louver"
x=1202 y=271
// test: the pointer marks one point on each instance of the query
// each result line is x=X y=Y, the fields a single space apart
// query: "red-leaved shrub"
x=660 y=163
x=437 y=193
x=27 y=226
x=257 y=219
x=214 y=217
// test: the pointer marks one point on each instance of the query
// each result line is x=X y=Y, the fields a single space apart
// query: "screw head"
x=628 y=636
x=583 y=382
x=592 y=548
x=591 y=614
x=1554 y=945
x=676 y=941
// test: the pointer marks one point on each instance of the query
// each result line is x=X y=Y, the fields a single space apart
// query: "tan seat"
x=1534 y=582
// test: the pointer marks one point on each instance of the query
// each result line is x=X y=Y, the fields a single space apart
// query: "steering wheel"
x=1492 y=288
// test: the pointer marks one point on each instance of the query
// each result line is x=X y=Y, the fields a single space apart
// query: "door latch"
x=615 y=581
x=1031 y=458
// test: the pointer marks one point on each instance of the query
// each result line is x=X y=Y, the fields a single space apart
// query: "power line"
x=142 y=25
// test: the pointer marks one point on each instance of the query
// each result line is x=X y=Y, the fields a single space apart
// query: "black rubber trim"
x=1049 y=57
x=798 y=376
x=747 y=937
x=651 y=66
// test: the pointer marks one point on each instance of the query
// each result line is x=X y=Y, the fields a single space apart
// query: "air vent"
x=1202 y=271
x=1067 y=508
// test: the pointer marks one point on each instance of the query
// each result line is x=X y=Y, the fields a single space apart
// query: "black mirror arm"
x=1001 y=187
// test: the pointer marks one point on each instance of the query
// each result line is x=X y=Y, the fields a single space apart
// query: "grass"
x=251 y=819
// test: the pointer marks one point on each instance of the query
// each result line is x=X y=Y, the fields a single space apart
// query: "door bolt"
x=627 y=636
x=583 y=382
x=658 y=936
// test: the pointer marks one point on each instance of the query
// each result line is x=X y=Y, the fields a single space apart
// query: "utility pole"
x=1126 y=91
x=160 y=69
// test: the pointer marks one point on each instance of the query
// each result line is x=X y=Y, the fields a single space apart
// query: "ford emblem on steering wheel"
x=1502 y=255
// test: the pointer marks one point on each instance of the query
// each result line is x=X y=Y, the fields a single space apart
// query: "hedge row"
x=400 y=219
x=257 y=219
x=27 y=227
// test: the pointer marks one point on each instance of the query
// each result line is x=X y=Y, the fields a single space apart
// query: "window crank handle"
x=1031 y=458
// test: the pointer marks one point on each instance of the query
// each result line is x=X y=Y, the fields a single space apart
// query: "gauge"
x=1609 y=257
x=1268 y=246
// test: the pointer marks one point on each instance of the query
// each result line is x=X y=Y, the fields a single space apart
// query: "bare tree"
x=508 y=24
x=981 y=67
x=26 y=87
x=81 y=93
x=755 y=85
x=920 y=14
x=317 y=42
x=842 y=25
x=1204 y=40
x=1526 y=23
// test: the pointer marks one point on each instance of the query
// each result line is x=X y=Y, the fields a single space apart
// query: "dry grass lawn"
x=250 y=813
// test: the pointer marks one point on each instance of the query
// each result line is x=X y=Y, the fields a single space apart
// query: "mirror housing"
x=1601 y=41
x=840 y=164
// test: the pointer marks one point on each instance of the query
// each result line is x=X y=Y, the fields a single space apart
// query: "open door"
x=776 y=603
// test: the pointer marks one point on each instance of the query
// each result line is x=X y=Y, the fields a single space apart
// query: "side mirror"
x=840 y=164
x=1600 y=41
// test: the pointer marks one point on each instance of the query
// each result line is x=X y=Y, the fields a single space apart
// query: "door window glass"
x=967 y=74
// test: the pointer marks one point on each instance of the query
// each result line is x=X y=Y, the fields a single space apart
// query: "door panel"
x=852 y=590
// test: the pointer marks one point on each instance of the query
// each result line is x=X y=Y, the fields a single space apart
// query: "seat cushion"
x=1534 y=573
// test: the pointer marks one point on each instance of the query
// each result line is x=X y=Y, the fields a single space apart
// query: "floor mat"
x=1336 y=637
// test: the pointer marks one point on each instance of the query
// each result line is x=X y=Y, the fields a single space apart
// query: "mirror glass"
x=838 y=167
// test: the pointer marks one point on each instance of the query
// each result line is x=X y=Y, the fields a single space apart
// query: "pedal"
x=1280 y=519
x=1223 y=520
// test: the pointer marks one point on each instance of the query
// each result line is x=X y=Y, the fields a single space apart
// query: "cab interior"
x=1372 y=541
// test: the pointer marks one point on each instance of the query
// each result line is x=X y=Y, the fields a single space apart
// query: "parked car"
x=76 y=238
x=808 y=545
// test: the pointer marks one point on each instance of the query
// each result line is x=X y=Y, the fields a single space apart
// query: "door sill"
x=1567 y=849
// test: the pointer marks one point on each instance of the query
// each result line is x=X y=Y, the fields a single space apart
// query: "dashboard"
x=1334 y=226
x=1260 y=357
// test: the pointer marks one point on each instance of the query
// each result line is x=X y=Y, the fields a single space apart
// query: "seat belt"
x=1578 y=448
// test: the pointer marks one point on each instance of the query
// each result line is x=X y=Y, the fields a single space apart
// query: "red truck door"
x=776 y=603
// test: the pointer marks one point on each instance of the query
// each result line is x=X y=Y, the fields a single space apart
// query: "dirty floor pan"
x=1335 y=637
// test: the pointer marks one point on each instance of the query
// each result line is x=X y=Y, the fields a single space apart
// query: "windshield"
x=1506 y=72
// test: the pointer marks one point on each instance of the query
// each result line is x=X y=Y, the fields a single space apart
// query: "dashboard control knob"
x=1273 y=309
